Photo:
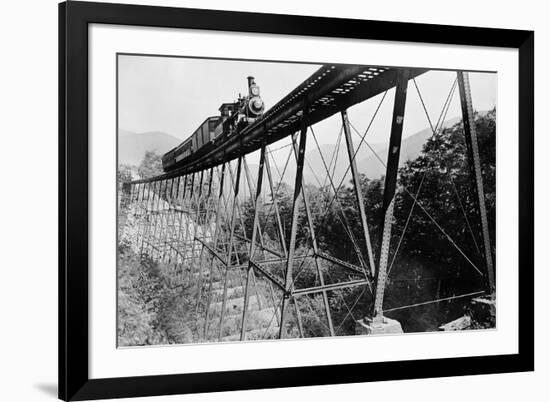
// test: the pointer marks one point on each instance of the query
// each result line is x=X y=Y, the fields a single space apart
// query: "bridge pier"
x=379 y=326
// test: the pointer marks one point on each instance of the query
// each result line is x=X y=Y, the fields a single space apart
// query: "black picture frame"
x=74 y=18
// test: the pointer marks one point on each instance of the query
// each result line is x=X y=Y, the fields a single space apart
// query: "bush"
x=150 y=310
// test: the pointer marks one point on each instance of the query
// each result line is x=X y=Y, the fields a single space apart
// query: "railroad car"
x=233 y=118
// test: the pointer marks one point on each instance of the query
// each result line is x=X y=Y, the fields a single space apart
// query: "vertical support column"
x=390 y=185
x=169 y=201
x=240 y=215
x=152 y=215
x=188 y=221
x=124 y=206
x=212 y=258
x=198 y=198
x=132 y=192
x=142 y=214
x=174 y=220
x=178 y=218
x=255 y=224
x=276 y=206
x=252 y=197
x=204 y=239
x=154 y=245
x=358 y=190
x=179 y=249
x=294 y=224
x=147 y=218
x=208 y=195
x=126 y=194
x=279 y=228
x=230 y=248
x=475 y=169
x=134 y=199
x=315 y=251
x=258 y=226
x=137 y=213
x=138 y=188
x=196 y=224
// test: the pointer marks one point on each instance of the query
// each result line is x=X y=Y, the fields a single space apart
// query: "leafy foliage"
x=150 y=310
x=124 y=173
x=150 y=166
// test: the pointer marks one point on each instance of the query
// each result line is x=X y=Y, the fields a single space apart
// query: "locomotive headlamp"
x=255 y=90
x=256 y=105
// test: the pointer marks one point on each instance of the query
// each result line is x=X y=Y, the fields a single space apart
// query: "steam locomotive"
x=233 y=118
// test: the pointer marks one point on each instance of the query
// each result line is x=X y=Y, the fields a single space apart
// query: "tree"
x=150 y=166
x=151 y=310
x=125 y=173
x=427 y=261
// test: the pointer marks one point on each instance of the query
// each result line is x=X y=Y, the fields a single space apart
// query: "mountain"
x=411 y=147
x=132 y=146
x=367 y=162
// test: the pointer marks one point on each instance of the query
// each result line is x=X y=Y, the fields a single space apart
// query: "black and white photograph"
x=271 y=200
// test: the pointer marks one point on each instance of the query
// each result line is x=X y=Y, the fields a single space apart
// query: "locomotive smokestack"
x=250 y=81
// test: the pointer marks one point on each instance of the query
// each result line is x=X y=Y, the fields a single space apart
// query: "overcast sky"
x=174 y=95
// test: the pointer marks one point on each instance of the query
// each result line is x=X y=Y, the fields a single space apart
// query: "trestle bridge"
x=207 y=221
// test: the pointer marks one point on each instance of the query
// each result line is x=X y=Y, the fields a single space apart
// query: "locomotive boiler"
x=233 y=118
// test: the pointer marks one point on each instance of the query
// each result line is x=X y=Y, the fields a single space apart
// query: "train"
x=233 y=118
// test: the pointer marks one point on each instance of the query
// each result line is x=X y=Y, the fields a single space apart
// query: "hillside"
x=132 y=146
